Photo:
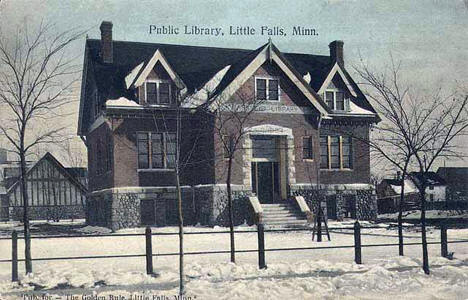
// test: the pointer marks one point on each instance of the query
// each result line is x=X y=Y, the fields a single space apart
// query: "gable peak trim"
x=269 y=52
x=158 y=56
x=337 y=69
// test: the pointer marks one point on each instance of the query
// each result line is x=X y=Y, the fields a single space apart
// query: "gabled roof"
x=453 y=172
x=49 y=157
x=195 y=66
x=432 y=178
x=396 y=185
x=243 y=70
x=336 y=69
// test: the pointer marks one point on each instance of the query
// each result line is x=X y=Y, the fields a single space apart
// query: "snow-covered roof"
x=409 y=187
x=203 y=94
x=130 y=78
x=121 y=102
x=354 y=109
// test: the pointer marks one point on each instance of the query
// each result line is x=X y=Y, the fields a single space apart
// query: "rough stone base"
x=354 y=201
x=206 y=205
x=48 y=212
x=212 y=201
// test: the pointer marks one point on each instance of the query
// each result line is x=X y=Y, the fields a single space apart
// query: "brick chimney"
x=398 y=175
x=107 y=52
x=336 y=52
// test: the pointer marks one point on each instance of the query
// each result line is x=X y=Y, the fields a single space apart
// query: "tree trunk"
x=422 y=194
x=24 y=193
x=179 y=201
x=400 y=212
x=231 y=214
x=181 y=237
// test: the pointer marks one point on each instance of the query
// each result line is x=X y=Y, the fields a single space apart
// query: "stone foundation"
x=357 y=201
x=207 y=204
x=47 y=212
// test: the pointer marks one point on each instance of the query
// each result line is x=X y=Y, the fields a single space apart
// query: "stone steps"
x=283 y=215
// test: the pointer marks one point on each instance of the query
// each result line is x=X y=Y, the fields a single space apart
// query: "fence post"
x=357 y=242
x=319 y=224
x=149 y=251
x=261 y=246
x=14 y=256
x=443 y=240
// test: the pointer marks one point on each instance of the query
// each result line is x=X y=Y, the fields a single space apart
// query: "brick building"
x=304 y=136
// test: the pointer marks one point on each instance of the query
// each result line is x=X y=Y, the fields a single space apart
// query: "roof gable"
x=59 y=167
x=195 y=67
x=239 y=74
x=336 y=70
x=145 y=70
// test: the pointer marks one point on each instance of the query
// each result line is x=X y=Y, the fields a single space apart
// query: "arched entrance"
x=269 y=161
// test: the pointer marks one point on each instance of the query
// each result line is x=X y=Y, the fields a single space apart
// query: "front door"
x=266 y=181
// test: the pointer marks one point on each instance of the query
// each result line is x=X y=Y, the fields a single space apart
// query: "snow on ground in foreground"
x=301 y=280
x=430 y=214
x=310 y=274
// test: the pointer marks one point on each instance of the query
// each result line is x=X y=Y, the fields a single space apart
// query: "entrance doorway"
x=266 y=181
x=266 y=168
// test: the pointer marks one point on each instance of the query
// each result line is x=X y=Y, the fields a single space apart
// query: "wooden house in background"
x=54 y=192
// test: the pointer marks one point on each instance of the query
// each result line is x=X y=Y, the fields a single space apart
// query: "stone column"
x=246 y=162
x=290 y=159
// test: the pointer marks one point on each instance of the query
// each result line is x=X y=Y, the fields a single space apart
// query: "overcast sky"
x=430 y=37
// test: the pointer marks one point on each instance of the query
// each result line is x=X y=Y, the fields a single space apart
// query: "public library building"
x=305 y=135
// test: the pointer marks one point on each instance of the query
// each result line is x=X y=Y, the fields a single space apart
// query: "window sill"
x=268 y=100
x=337 y=170
x=308 y=159
x=154 y=170
x=155 y=105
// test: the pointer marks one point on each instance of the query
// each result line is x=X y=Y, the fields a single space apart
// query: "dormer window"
x=96 y=104
x=336 y=100
x=158 y=92
x=267 y=89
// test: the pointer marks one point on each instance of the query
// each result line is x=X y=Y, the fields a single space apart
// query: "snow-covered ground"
x=430 y=214
x=307 y=274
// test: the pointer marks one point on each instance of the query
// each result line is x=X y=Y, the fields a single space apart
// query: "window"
x=99 y=160
x=431 y=197
x=336 y=152
x=158 y=92
x=97 y=105
x=307 y=147
x=324 y=152
x=431 y=187
x=264 y=146
x=347 y=151
x=109 y=153
x=156 y=150
x=336 y=100
x=267 y=89
x=228 y=145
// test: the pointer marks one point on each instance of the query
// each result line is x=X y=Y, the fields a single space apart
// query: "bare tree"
x=391 y=139
x=35 y=81
x=438 y=124
x=74 y=154
x=415 y=130
x=167 y=124
x=230 y=118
